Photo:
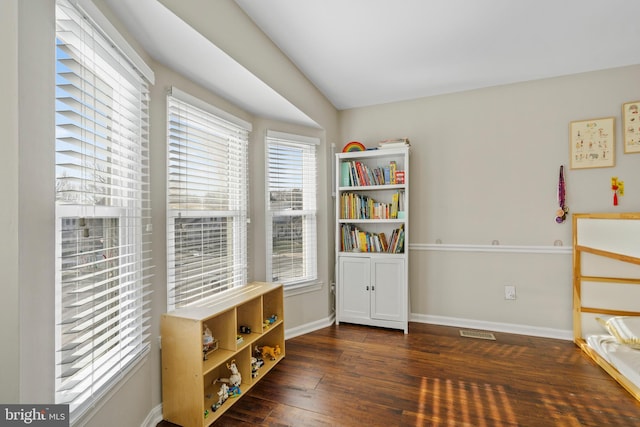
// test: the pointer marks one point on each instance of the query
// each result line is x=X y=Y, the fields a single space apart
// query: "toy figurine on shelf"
x=209 y=343
x=270 y=321
x=234 y=391
x=223 y=395
x=234 y=379
x=207 y=338
x=256 y=364
x=272 y=352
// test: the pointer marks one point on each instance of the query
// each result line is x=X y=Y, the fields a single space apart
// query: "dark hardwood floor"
x=352 y=375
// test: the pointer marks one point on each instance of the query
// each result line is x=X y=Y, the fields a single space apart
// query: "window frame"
x=178 y=164
x=309 y=213
x=129 y=186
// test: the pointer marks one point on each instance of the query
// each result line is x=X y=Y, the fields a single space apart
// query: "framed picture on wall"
x=592 y=143
x=631 y=126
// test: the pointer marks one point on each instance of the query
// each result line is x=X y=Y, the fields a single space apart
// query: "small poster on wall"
x=592 y=143
x=631 y=127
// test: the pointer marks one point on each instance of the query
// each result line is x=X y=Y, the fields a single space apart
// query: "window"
x=207 y=200
x=102 y=212
x=291 y=208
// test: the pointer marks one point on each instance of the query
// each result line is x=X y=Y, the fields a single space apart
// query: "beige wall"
x=36 y=175
x=485 y=167
x=9 y=313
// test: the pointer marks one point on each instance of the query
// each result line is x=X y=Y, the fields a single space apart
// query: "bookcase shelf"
x=372 y=229
x=189 y=386
x=372 y=187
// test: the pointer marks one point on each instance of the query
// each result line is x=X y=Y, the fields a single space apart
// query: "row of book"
x=354 y=239
x=356 y=173
x=359 y=206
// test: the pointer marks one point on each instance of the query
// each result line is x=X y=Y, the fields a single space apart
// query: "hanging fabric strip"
x=561 y=213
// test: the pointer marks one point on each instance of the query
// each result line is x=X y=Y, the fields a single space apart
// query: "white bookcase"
x=372 y=237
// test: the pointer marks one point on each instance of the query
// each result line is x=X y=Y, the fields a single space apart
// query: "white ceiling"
x=367 y=52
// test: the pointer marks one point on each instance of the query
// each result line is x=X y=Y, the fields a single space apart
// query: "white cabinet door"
x=355 y=288
x=388 y=286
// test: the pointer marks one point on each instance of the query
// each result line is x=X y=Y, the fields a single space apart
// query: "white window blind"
x=207 y=200
x=102 y=213
x=291 y=208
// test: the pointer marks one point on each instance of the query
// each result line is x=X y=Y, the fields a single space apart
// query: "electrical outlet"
x=509 y=292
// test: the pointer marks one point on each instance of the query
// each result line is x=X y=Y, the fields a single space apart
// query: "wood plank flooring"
x=351 y=375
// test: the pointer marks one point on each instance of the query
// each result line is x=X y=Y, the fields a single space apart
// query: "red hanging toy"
x=618 y=188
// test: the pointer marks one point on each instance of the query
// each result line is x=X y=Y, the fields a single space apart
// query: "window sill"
x=302 y=288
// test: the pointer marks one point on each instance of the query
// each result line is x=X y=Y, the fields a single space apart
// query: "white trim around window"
x=291 y=210
x=103 y=258
x=207 y=200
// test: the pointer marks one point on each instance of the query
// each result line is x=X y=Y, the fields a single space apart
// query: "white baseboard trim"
x=154 y=417
x=510 y=328
x=309 y=327
x=493 y=326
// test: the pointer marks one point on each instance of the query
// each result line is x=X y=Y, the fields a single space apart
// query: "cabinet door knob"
x=373 y=288
x=367 y=287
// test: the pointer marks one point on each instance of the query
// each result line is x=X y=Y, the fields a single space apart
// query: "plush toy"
x=235 y=378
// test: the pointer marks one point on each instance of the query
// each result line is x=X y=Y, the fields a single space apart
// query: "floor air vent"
x=478 y=334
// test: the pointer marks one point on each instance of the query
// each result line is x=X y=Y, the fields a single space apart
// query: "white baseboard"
x=154 y=417
x=494 y=326
x=509 y=328
x=309 y=327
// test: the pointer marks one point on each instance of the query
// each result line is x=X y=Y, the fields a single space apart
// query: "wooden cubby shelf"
x=189 y=387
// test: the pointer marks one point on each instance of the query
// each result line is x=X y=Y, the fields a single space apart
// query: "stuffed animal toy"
x=235 y=378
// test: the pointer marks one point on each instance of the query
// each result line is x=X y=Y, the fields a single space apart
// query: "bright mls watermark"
x=34 y=415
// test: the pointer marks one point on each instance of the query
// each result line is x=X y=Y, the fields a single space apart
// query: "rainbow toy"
x=353 y=146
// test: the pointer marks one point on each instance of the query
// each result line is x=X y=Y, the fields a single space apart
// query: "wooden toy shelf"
x=188 y=389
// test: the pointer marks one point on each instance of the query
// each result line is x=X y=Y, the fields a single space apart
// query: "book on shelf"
x=392 y=172
x=394 y=143
x=383 y=242
x=396 y=244
x=363 y=241
x=345 y=174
